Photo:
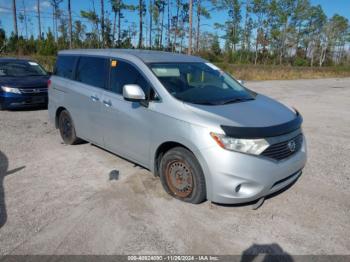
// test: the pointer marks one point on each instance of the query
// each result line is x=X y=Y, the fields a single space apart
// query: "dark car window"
x=92 y=71
x=124 y=73
x=21 y=68
x=65 y=66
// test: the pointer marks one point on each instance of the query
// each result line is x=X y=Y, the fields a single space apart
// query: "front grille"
x=284 y=149
x=33 y=90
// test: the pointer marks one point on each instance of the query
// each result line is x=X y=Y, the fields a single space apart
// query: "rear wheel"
x=66 y=127
x=182 y=176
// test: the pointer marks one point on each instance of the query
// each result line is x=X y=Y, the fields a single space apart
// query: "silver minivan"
x=201 y=131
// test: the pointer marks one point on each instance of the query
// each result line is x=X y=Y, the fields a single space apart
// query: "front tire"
x=182 y=176
x=67 y=129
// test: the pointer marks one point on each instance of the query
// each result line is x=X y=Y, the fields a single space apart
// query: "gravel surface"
x=58 y=199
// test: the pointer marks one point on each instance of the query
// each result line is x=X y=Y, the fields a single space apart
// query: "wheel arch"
x=58 y=112
x=161 y=150
x=167 y=145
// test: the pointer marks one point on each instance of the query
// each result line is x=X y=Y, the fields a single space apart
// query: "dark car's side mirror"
x=49 y=73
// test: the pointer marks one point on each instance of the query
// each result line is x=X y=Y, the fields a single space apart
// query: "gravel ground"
x=58 y=199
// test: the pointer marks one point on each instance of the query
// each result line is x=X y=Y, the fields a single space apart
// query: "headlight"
x=248 y=146
x=10 y=90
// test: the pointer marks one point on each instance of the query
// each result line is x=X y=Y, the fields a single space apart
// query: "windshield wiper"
x=210 y=103
x=235 y=100
x=202 y=102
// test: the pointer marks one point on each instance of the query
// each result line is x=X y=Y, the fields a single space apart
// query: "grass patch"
x=269 y=72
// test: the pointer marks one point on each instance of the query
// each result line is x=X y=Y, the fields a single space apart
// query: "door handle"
x=107 y=103
x=94 y=98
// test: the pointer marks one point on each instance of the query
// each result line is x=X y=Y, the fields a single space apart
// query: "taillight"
x=48 y=83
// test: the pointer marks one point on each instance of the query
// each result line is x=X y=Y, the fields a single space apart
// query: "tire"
x=66 y=127
x=2 y=107
x=182 y=176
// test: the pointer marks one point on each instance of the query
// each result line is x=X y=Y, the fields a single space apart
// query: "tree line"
x=275 y=32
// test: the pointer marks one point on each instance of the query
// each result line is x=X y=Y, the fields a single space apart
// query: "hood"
x=24 y=82
x=261 y=112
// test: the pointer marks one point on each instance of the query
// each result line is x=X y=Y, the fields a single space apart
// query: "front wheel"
x=182 y=176
x=66 y=127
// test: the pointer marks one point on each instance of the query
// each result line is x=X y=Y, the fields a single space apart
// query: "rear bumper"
x=19 y=100
x=239 y=178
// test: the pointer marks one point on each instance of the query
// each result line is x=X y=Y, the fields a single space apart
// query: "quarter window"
x=92 y=71
x=65 y=66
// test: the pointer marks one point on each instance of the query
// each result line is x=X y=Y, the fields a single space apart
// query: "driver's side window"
x=123 y=73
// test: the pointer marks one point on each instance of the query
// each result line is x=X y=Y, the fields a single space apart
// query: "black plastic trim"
x=263 y=132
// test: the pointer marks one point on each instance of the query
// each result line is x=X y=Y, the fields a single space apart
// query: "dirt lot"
x=58 y=199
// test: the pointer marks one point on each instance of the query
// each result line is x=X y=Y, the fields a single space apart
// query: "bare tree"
x=189 y=50
x=141 y=14
x=150 y=22
x=25 y=19
x=198 y=23
x=103 y=23
x=118 y=6
x=55 y=14
x=160 y=42
x=70 y=25
x=168 y=27
x=14 y=17
x=39 y=21
x=201 y=11
x=178 y=5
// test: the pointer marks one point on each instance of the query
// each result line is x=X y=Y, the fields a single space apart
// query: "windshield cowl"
x=220 y=102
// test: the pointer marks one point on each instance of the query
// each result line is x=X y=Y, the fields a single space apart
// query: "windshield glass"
x=200 y=83
x=21 y=68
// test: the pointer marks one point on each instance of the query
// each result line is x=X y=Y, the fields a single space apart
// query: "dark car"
x=22 y=83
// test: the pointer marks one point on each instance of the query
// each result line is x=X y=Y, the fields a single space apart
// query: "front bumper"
x=237 y=178
x=23 y=100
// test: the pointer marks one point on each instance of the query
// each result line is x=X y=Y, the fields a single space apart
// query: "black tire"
x=66 y=127
x=2 y=107
x=179 y=166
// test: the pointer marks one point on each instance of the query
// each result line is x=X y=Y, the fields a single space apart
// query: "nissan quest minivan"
x=202 y=132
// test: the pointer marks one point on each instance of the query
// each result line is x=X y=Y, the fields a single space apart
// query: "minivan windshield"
x=200 y=83
x=21 y=69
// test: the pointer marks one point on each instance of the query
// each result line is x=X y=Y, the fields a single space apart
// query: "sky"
x=330 y=7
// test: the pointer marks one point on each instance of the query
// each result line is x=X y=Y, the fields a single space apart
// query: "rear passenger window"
x=92 y=71
x=123 y=74
x=65 y=66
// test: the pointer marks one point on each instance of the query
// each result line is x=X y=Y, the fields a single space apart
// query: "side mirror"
x=241 y=82
x=133 y=93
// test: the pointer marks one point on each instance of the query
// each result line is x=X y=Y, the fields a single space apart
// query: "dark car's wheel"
x=182 y=176
x=66 y=127
x=2 y=107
